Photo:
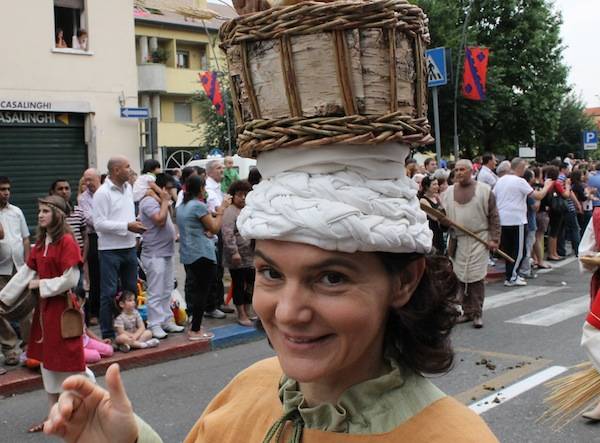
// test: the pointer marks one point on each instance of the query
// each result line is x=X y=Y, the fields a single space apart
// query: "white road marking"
x=557 y=264
x=518 y=295
x=504 y=395
x=556 y=313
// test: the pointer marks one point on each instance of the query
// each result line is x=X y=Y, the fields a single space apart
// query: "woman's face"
x=44 y=216
x=239 y=199
x=434 y=187
x=324 y=312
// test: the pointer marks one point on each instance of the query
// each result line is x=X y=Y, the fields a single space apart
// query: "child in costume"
x=53 y=269
x=130 y=328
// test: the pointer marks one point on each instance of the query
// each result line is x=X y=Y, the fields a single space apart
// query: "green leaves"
x=527 y=83
x=213 y=131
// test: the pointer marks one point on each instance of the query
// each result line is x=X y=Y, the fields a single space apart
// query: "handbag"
x=71 y=320
x=558 y=204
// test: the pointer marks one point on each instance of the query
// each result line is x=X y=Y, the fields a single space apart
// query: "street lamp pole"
x=463 y=43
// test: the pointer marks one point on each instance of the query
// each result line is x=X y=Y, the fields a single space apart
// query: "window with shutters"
x=70 y=26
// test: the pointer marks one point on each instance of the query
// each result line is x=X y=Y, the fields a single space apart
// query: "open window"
x=70 y=25
x=183 y=59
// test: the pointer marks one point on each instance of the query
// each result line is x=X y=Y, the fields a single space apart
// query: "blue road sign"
x=135 y=112
x=590 y=140
x=437 y=74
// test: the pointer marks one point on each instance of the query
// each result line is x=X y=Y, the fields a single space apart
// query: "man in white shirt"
x=115 y=223
x=215 y=305
x=91 y=178
x=14 y=250
x=486 y=173
x=511 y=192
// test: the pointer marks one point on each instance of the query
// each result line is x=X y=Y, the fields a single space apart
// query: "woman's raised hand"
x=85 y=412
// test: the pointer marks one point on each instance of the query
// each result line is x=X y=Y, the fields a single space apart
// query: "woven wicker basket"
x=313 y=73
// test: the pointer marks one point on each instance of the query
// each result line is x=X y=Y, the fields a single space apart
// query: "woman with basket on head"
x=52 y=271
x=354 y=309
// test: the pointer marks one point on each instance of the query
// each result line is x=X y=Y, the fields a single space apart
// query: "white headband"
x=342 y=198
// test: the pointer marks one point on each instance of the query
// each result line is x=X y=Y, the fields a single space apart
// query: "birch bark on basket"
x=369 y=73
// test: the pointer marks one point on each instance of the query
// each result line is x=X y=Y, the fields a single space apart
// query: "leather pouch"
x=71 y=320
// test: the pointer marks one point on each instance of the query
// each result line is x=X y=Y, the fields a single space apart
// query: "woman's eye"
x=269 y=274
x=333 y=278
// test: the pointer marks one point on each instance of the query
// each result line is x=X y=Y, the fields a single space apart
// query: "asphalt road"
x=528 y=333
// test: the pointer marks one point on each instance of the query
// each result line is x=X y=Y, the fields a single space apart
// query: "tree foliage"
x=572 y=122
x=214 y=129
x=526 y=83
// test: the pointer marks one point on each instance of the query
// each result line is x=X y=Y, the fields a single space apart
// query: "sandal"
x=36 y=428
x=247 y=323
x=200 y=335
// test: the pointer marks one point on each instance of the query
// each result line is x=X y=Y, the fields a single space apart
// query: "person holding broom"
x=473 y=205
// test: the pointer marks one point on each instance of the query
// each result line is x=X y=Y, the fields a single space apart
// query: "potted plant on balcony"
x=159 y=55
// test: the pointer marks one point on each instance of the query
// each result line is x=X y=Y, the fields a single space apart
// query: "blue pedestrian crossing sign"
x=590 y=140
x=437 y=74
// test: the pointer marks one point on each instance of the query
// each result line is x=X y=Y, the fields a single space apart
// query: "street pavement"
x=531 y=334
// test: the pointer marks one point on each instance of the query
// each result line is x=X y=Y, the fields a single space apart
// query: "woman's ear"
x=406 y=282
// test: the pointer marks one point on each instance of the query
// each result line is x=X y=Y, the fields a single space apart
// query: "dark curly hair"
x=421 y=329
x=239 y=186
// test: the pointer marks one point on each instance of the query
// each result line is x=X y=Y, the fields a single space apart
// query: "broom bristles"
x=571 y=395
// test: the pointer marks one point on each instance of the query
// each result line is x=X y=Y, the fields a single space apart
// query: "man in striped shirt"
x=75 y=219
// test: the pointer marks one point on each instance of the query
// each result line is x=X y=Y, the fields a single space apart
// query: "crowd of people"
x=91 y=252
x=529 y=211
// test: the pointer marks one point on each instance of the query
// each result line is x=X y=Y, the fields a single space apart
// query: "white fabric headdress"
x=341 y=198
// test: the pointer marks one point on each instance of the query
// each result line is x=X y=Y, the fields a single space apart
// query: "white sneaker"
x=158 y=332
x=216 y=313
x=521 y=281
x=516 y=282
x=172 y=327
x=153 y=342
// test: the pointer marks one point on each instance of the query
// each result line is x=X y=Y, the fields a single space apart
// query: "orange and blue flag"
x=211 y=86
x=475 y=73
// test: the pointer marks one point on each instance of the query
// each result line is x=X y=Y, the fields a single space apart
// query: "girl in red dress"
x=52 y=269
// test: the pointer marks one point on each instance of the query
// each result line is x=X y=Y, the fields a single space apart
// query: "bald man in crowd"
x=472 y=205
x=91 y=178
x=115 y=223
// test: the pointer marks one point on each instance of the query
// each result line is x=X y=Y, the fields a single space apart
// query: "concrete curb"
x=21 y=380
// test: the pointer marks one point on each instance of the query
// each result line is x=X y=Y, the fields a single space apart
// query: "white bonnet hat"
x=344 y=198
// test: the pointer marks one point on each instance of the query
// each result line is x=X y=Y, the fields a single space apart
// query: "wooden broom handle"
x=440 y=215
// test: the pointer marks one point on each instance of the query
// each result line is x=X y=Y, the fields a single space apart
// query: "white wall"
x=32 y=71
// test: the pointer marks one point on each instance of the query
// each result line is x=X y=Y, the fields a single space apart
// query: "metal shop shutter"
x=33 y=157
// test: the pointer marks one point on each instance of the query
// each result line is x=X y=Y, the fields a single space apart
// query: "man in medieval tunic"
x=472 y=205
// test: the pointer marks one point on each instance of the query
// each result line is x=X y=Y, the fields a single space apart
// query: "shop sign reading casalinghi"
x=25 y=105
x=27 y=118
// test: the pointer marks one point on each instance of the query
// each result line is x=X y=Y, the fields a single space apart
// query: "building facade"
x=172 y=50
x=68 y=68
